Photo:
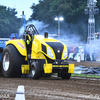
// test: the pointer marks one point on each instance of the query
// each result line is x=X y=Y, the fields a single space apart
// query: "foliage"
x=86 y=75
x=9 y=23
x=75 y=20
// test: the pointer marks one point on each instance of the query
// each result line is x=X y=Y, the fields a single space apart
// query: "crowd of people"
x=89 y=52
x=73 y=49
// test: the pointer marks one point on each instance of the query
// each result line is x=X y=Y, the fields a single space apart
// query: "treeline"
x=75 y=21
x=9 y=23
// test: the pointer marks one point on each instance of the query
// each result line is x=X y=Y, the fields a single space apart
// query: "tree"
x=9 y=23
x=75 y=20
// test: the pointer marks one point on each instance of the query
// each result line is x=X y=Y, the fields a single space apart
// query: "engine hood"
x=57 y=47
x=51 y=48
x=49 y=39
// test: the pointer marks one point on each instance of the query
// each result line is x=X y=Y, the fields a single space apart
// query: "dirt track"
x=53 y=88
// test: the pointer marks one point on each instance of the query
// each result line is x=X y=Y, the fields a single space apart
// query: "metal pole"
x=23 y=16
x=24 y=21
x=58 y=26
x=91 y=10
x=59 y=19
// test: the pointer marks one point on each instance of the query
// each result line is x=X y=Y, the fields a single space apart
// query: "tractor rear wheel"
x=11 y=62
x=35 y=70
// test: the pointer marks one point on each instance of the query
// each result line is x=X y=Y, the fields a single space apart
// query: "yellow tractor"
x=43 y=57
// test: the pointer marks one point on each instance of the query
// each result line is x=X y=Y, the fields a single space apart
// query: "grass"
x=85 y=75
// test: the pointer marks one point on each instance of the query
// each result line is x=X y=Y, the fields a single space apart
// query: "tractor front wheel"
x=35 y=70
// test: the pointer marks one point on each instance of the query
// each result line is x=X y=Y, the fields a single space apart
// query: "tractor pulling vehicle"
x=46 y=56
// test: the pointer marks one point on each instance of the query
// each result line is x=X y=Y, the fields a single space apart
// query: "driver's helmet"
x=30 y=32
x=14 y=37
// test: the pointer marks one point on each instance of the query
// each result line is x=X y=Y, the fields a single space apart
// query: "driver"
x=29 y=38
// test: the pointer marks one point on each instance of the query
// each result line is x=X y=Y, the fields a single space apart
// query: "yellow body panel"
x=20 y=45
x=60 y=66
x=64 y=51
x=48 y=68
x=37 y=43
x=37 y=52
x=25 y=69
x=71 y=68
x=36 y=49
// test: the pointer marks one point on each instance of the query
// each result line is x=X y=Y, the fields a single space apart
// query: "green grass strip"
x=85 y=75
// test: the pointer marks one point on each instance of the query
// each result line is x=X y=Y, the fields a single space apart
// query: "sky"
x=20 y=5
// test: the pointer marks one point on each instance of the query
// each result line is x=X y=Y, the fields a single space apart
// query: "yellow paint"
x=20 y=45
x=71 y=68
x=47 y=68
x=65 y=47
x=60 y=65
x=36 y=52
x=25 y=69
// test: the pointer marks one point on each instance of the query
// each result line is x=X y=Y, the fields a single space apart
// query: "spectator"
x=87 y=53
x=70 y=47
x=14 y=36
x=93 y=52
x=80 y=53
x=75 y=51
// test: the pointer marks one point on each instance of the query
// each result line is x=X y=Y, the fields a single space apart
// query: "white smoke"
x=40 y=26
x=66 y=36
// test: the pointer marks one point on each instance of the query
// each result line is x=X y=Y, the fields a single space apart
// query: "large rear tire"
x=35 y=70
x=11 y=62
x=65 y=75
